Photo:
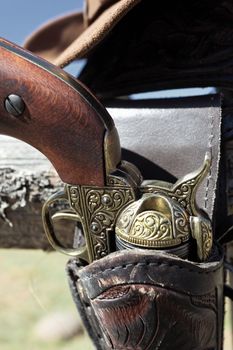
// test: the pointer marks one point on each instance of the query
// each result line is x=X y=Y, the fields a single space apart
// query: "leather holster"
x=144 y=299
x=141 y=300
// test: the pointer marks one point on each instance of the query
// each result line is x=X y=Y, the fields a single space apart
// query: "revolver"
x=46 y=107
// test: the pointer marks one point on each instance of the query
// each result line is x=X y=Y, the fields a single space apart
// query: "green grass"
x=33 y=284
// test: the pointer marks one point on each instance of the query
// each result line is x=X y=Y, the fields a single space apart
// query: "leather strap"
x=169 y=138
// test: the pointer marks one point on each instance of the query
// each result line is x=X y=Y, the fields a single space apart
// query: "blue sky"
x=19 y=18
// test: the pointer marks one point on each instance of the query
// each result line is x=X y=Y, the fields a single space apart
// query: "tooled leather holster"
x=142 y=299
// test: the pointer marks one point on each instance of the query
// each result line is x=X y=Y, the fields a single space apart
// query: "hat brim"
x=65 y=39
x=51 y=39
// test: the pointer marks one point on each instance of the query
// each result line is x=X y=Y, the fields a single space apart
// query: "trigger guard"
x=48 y=220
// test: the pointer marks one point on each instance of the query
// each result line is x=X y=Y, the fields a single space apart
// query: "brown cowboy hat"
x=73 y=36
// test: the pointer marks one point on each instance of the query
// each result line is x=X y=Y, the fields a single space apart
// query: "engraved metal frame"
x=96 y=209
x=167 y=215
x=116 y=207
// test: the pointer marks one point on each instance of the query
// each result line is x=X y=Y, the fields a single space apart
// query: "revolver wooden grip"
x=61 y=118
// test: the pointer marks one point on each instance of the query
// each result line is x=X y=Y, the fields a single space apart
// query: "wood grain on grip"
x=62 y=119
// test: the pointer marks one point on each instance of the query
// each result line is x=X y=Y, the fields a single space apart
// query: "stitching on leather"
x=150 y=264
x=210 y=148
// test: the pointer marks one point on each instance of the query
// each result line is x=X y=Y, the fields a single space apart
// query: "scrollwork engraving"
x=99 y=207
x=151 y=225
x=103 y=207
x=75 y=198
x=181 y=222
x=207 y=239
